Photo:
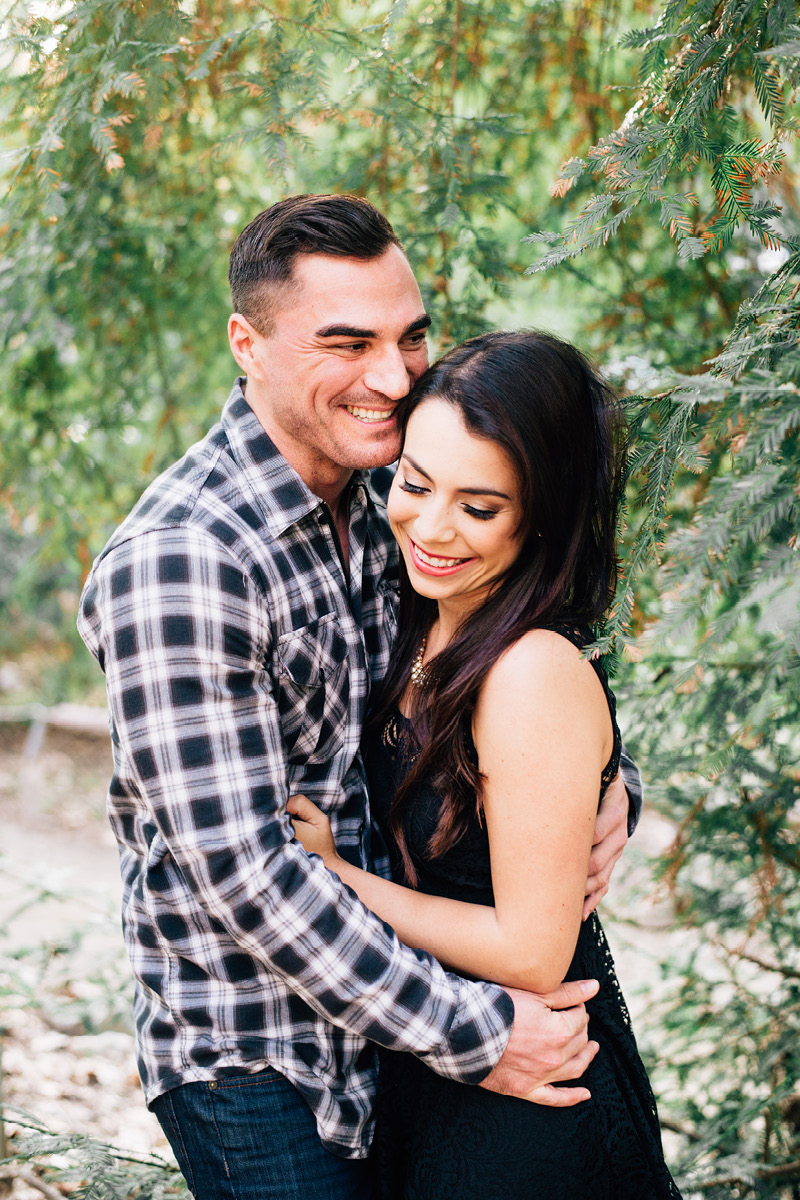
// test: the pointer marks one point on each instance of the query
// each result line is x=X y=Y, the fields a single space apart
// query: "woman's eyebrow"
x=352 y=331
x=417 y=467
x=481 y=491
x=464 y=491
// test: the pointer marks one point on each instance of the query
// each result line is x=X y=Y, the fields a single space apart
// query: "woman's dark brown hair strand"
x=539 y=399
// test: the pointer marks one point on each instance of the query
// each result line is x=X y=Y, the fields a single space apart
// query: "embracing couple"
x=355 y=791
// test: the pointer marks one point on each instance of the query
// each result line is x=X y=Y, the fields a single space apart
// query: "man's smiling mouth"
x=370 y=415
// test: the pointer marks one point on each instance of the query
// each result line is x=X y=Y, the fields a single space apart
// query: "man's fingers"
x=571 y=995
x=598 y=881
x=610 y=839
x=592 y=900
x=558 y=1097
x=578 y=1064
x=613 y=809
x=575 y=1058
x=606 y=854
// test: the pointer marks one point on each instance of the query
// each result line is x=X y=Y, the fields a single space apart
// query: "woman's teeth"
x=430 y=561
x=369 y=414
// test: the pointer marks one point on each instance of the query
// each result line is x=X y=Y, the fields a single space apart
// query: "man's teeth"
x=430 y=561
x=369 y=414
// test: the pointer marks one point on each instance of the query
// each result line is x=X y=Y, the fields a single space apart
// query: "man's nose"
x=387 y=373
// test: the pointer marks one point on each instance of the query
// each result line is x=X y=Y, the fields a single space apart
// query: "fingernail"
x=589 y=987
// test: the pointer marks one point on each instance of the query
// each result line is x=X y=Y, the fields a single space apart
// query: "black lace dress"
x=439 y=1140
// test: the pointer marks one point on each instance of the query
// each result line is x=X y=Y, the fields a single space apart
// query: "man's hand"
x=548 y=1043
x=610 y=839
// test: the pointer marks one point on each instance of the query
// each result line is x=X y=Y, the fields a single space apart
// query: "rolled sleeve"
x=634 y=788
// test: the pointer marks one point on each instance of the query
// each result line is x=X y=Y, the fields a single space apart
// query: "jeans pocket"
x=260 y=1079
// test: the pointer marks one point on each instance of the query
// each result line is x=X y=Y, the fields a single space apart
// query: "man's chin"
x=370 y=455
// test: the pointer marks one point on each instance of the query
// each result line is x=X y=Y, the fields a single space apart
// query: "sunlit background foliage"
x=622 y=172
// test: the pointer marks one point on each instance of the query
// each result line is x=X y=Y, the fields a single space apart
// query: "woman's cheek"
x=399 y=507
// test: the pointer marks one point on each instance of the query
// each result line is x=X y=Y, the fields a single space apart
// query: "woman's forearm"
x=542 y=731
x=469 y=938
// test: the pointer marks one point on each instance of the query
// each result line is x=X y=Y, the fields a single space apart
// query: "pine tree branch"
x=20 y=1117
x=790 y=1170
x=680 y=1127
x=787 y=972
x=12 y=1171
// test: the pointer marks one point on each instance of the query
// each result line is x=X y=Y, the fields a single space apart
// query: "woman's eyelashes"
x=481 y=514
x=413 y=488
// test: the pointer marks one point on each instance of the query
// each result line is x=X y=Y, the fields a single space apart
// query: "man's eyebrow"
x=352 y=331
x=464 y=491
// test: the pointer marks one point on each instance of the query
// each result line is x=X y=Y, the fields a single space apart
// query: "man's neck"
x=321 y=476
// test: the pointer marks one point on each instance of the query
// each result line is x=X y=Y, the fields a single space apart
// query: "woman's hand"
x=313 y=829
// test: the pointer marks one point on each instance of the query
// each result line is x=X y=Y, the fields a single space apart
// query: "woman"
x=488 y=748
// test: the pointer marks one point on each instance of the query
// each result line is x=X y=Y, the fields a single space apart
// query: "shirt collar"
x=283 y=499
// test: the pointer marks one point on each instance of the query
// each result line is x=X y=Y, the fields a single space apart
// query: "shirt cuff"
x=478 y=1034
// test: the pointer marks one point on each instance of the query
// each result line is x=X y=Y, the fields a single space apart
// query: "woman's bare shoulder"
x=541 y=678
x=541 y=684
x=538 y=657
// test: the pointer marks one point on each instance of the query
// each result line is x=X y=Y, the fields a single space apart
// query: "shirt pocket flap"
x=312 y=653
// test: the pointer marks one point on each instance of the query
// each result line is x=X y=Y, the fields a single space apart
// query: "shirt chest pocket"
x=313 y=690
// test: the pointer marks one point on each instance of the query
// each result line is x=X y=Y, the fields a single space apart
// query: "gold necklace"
x=419 y=676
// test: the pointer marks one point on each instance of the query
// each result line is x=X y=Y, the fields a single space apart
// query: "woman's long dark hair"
x=539 y=399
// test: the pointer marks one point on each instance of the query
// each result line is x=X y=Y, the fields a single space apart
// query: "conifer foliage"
x=143 y=135
x=719 y=685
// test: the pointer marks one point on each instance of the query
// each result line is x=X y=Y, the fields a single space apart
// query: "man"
x=240 y=614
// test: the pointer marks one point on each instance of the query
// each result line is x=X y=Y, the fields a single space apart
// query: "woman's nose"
x=432 y=524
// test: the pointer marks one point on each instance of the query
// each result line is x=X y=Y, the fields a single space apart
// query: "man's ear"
x=244 y=339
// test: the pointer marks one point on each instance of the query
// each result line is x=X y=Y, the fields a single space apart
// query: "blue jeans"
x=253 y=1137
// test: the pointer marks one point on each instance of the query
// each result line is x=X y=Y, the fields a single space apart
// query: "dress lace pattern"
x=436 y=1139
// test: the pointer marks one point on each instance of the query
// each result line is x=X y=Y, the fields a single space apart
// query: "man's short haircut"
x=263 y=255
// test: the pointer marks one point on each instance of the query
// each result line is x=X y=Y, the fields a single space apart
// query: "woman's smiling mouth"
x=434 y=564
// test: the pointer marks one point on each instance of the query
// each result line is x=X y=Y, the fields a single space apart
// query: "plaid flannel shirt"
x=238 y=664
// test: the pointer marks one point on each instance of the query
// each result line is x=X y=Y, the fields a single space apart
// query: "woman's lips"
x=428 y=564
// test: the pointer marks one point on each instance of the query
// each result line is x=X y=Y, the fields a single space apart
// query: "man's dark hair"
x=263 y=255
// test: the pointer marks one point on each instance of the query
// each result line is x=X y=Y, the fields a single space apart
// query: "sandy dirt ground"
x=67 y=1048
x=67 y=1045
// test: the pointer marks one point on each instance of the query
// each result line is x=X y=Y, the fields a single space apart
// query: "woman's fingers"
x=301 y=807
x=311 y=827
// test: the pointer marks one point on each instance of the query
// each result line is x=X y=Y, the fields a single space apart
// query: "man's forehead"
x=333 y=274
x=331 y=292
